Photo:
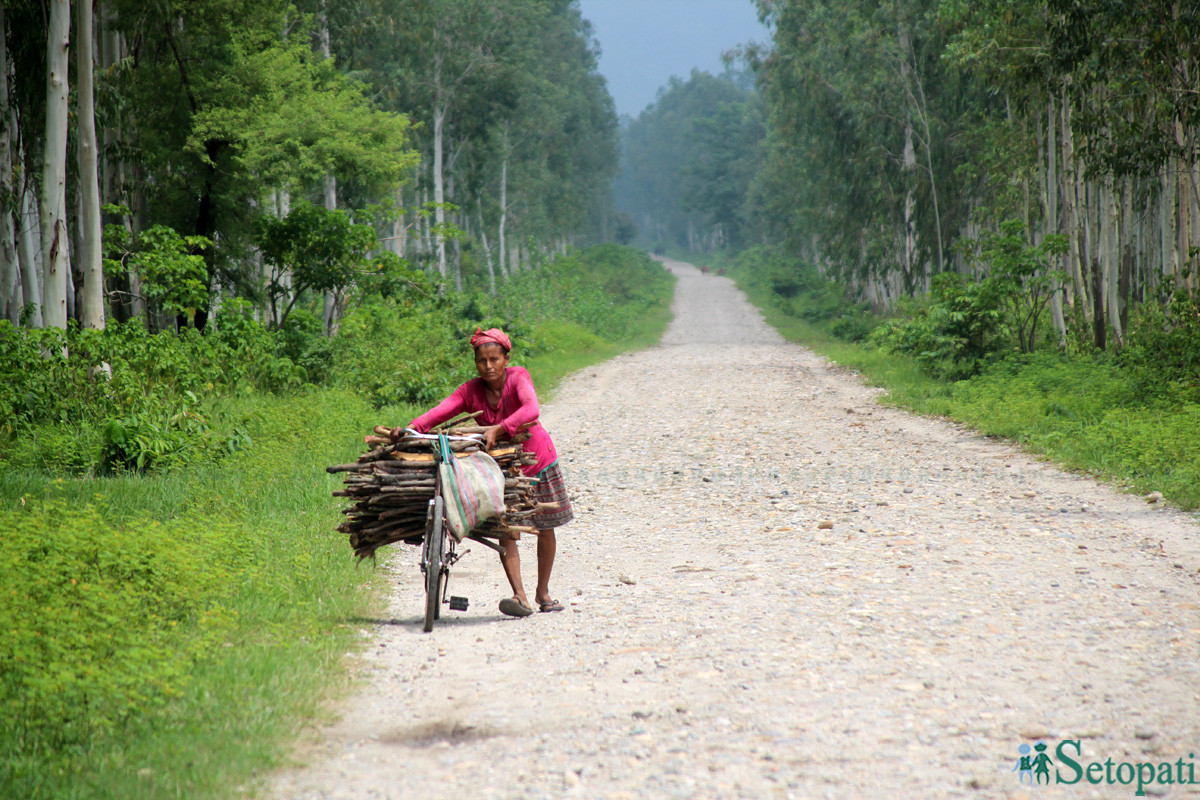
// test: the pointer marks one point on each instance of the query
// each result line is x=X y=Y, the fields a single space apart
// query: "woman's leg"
x=546 y=547
x=510 y=559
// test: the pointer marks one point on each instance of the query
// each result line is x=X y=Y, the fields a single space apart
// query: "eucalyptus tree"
x=90 y=256
x=862 y=106
x=688 y=160
x=55 y=235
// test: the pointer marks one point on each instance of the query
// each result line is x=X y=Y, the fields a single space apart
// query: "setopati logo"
x=1036 y=767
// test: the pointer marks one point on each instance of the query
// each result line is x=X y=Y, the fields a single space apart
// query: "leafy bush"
x=391 y=353
x=960 y=330
x=150 y=413
x=1163 y=355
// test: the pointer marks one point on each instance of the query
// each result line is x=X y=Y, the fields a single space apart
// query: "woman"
x=505 y=396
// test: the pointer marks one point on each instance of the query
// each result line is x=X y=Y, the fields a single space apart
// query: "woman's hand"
x=490 y=435
x=396 y=433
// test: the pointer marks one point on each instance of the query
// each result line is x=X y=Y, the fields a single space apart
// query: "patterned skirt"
x=551 y=488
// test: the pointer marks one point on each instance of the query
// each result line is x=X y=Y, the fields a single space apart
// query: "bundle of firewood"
x=391 y=484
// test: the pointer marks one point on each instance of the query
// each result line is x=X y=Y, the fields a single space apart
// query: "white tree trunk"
x=55 y=238
x=502 y=228
x=1051 y=206
x=439 y=189
x=487 y=251
x=329 y=305
x=89 y=257
x=29 y=252
x=1110 y=224
x=399 y=226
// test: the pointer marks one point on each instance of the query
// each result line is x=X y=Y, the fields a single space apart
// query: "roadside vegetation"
x=988 y=208
x=175 y=598
x=1131 y=417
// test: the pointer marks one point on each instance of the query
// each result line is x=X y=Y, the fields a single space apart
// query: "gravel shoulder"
x=777 y=587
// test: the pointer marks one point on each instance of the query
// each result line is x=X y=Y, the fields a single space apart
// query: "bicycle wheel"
x=435 y=533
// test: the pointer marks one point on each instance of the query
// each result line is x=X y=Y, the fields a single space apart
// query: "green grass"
x=196 y=615
x=166 y=634
x=1079 y=411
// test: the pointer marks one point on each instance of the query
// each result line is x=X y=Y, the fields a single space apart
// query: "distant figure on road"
x=509 y=405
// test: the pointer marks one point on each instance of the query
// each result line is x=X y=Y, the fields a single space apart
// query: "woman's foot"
x=550 y=605
x=513 y=607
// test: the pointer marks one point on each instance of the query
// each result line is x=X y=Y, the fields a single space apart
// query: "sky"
x=644 y=42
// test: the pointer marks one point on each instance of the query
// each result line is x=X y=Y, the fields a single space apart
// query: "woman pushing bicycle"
x=504 y=396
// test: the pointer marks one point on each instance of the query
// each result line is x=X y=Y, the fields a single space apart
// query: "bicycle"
x=439 y=551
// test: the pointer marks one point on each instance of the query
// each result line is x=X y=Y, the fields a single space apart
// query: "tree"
x=90 y=256
x=55 y=236
x=321 y=250
x=688 y=161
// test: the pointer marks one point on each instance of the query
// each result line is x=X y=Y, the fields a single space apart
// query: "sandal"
x=514 y=607
x=552 y=605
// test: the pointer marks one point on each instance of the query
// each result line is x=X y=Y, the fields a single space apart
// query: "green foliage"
x=139 y=622
x=294 y=117
x=315 y=248
x=966 y=325
x=1021 y=274
x=1163 y=355
x=159 y=408
x=103 y=620
x=689 y=159
x=958 y=332
x=392 y=353
x=174 y=275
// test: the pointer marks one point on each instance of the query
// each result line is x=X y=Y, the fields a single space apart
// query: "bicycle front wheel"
x=434 y=551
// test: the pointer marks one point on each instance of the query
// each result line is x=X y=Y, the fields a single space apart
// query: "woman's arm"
x=527 y=413
x=449 y=408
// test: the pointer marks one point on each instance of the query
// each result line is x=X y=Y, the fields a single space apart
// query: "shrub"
x=959 y=332
x=1163 y=356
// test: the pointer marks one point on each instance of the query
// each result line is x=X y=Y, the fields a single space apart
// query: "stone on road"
x=777 y=587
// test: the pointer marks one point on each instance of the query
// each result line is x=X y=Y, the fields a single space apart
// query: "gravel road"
x=777 y=587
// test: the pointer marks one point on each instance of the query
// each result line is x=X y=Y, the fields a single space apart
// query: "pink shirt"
x=518 y=407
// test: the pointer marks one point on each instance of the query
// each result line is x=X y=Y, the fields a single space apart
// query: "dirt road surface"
x=777 y=587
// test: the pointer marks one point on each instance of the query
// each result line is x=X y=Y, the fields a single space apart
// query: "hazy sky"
x=645 y=42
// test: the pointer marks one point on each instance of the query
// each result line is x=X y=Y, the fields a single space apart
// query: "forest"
x=236 y=234
x=999 y=199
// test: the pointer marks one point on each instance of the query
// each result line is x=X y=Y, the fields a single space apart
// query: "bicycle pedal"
x=458 y=603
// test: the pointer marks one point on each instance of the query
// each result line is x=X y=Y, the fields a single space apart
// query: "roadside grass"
x=195 y=615
x=165 y=635
x=1080 y=411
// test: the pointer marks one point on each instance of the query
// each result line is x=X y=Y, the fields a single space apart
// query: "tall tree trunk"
x=439 y=188
x=1110 y=226
x=1050 y=203
x=1126 y=255
x=28 y=236
x=922 y=108
x=55 y=237
x=330 y=301
x=501 y=231
x=11 y=296
x=487 y=251
x=1075 y=219
x=89 y=256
